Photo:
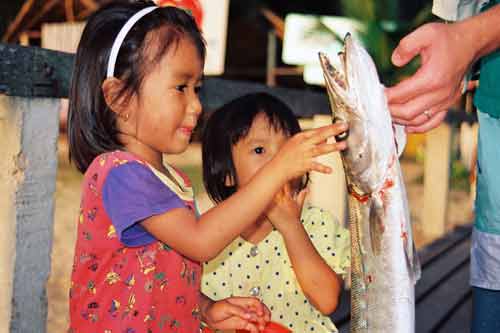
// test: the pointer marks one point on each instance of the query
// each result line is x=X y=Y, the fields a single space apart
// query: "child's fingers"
x=287 y=190
x=247 y=303
x=316 y=166
x=321 y=134
x=301 y=197
x=326 y=148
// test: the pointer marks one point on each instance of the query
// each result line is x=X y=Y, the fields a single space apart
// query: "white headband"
x=121 y=37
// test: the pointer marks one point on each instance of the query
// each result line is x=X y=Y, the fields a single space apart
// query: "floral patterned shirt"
x=123 y=279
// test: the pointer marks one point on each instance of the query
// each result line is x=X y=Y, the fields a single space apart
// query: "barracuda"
x=384 y=262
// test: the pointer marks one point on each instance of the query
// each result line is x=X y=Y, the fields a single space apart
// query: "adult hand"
x=421 y=101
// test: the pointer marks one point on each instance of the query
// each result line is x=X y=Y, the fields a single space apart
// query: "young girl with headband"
x=134 y=98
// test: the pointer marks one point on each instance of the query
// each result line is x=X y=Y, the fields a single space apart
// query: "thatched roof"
x=35 y=12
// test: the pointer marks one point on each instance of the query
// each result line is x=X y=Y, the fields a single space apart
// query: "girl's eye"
x=259 y=150
x=181 y=87
x=197 y=89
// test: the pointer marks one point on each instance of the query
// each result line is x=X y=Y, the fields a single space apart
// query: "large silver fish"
x=384 y=262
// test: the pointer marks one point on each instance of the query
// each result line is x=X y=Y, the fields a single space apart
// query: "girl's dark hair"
x=91 y=124
x=227 y=126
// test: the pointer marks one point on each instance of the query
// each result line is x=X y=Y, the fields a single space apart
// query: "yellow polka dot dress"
x=264 y=270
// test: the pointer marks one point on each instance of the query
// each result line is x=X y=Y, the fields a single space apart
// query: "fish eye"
x=342 y=136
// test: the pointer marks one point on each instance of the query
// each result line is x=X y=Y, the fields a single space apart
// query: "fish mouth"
x=337 y=87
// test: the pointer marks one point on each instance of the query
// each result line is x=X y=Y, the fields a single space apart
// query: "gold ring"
x=428 y=114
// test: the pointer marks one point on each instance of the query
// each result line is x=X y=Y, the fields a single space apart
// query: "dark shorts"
x=485 y=310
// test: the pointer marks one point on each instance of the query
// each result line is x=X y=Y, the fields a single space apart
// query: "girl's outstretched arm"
x=320 y=284
x=204 y=239
x=244 y=313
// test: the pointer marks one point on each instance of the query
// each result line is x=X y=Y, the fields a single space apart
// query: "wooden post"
x=436 y=180
x=329 y=191
x=28 y=132
x=271 y=59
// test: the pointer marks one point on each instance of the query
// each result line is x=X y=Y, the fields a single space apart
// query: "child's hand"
x=286 y=208
x=297 y=155
x=245 y=313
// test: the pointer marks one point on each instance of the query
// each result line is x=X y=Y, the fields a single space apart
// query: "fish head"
x=357 y=98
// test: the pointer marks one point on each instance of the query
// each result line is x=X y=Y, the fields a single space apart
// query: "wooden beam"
x=276 y=21
x=83 y=14
x=69 y=10
x=90 y=4
x=436 y=180
x=14 y=26
x=32 y=71
x=45 y=9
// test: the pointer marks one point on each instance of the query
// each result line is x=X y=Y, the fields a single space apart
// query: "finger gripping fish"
x=384 y=264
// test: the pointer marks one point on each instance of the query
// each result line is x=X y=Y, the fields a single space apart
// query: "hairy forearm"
x=320 y=283
x=481 y=32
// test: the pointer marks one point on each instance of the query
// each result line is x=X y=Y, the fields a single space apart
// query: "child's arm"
x=245 y=313
x=216 y=228
x=320 y=284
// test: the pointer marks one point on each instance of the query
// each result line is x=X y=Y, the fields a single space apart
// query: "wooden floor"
x=442 y=295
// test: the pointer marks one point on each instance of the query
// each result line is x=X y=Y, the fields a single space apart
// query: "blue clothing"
x=485 y=248
x=487 y=97
x=486 y=311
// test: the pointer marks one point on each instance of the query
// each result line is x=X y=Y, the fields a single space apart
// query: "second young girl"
x=134 y=98
x=293 y=262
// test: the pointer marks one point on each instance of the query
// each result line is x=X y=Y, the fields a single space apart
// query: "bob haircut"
x=92 y=126
x=227 y=126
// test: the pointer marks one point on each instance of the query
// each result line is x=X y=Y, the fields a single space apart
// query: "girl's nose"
x=195 y=105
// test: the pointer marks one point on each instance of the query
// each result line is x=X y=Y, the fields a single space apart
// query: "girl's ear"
x=111 y=88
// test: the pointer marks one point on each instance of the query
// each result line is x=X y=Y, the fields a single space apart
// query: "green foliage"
x=383 y=31
x=459 y=177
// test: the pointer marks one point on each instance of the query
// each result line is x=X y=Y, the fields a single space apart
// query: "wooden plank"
x=47 y=6
x=436 y=180
x=432 y=251
x=216 y=92
x=90 y=4
x=28 y=174
x=448 y=295
x=436 y=274
x=69 y=10
x=36 y=72
x=461 y=319
x=14 y=26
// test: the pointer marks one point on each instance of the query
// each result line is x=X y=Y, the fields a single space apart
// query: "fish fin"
x=376 y=222
x=411 y=254
x=399 y=138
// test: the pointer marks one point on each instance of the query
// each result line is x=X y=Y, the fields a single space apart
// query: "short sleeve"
x=331 y=240
x=131 y=193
